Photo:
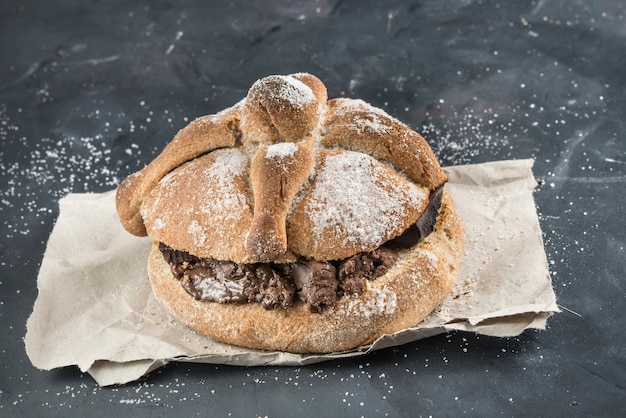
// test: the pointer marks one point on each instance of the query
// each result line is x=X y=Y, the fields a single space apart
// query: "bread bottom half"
x=419 y=281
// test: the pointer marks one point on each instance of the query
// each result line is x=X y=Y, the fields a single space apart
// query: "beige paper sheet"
x=95 y=308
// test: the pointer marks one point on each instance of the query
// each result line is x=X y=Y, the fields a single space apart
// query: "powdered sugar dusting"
x=281 y=150
x=381 y=302
x=349 y=106
x=228 y=201
x=353 y=201
x=296 y=92
x=159 y=224
x=370 y=123
x=365 y=117
x=433 y=260
x=219 y=199
x=228 y=163
x=196 y=231
x=289 y=89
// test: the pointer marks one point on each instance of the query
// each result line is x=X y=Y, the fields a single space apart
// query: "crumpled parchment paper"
x=95 y=307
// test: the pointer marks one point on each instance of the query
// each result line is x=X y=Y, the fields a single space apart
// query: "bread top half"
x=284 y=173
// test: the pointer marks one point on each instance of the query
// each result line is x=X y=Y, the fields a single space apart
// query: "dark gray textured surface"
x=89 y=92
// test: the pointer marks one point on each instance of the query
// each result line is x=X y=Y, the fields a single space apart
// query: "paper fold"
x=95 y=308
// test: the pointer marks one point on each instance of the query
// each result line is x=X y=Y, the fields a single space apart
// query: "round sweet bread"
x=240 y=202
x=421 y=278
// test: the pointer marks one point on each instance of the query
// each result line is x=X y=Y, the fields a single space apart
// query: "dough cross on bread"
x=287 y=136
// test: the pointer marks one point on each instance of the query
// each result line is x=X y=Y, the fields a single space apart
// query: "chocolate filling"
x=315 y=283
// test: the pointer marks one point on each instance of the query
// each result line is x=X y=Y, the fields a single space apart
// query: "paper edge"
x=109 y=373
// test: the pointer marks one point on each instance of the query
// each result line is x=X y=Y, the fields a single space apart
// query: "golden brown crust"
x=203 y=206
x=417 y=284
x=355 y=204
x=358 y=126
x=287 y=196
x=202 y=135
x=286 y=174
